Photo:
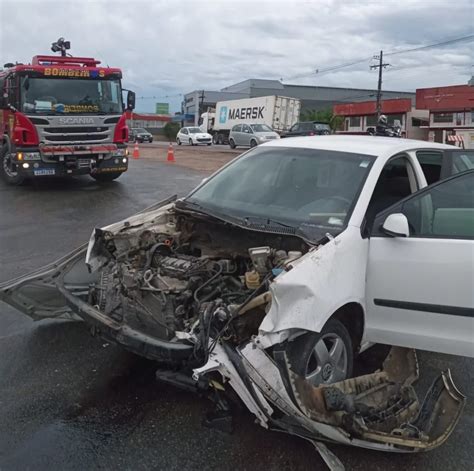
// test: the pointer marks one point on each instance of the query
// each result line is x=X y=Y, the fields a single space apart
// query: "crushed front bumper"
x=132 y=339
x=378 y=411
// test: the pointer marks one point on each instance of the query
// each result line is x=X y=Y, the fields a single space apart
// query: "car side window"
x=246 y=128
x=462 y=160
x=431 y=163
x=393 y=185
x=294 y=128
x=184 y=131
x=237 y=128
x=444 y=211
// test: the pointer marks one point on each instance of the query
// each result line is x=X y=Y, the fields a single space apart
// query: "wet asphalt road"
x=69 y=401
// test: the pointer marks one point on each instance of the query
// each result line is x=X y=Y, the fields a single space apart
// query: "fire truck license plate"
x=45 y=171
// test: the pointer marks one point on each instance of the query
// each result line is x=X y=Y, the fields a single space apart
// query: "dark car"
x=140 y=135
x=308 y=128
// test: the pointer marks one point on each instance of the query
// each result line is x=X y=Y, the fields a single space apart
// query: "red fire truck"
x=62 y=116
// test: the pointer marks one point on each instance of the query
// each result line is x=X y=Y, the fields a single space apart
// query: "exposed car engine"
x=195 y=279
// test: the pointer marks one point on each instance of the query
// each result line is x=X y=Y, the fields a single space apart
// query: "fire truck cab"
x=62 y=116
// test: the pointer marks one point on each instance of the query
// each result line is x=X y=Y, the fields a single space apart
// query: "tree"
x=171 y=129
x=323 y=116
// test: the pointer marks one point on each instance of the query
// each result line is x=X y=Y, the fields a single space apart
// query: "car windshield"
x=70 y=96
x=194 y=130
x=260 y=128
x=298 y=187
x=140 y=130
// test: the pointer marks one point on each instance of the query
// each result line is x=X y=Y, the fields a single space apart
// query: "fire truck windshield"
x=70 y=96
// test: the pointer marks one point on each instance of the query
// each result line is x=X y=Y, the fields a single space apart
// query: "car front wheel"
x=325 y=357
x=178 y=141
x=253 y=143
x=232 y=143
x=191 y=143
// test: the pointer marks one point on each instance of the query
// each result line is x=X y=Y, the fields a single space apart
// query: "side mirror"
x=396 y=225
x=130 y=100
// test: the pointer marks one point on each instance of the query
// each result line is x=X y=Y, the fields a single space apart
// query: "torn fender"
x=318 y=283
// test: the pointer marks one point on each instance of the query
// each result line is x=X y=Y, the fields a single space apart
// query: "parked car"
x=250 y=135
x=193 y=136
x=140 y=135
x=276 y=272
x=308 y=128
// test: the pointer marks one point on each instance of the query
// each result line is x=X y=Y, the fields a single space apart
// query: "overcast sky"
x=170 y=47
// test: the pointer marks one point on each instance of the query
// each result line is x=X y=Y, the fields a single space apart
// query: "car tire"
x=253 y=143
x=178 y=141
x=325 y=357
x=106 y=177
x=150 y=141
x=209 y=143
x=7 y=172
x=191 y=143
x=232 y=143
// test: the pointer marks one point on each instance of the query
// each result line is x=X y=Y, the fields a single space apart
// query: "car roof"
x=369 y=145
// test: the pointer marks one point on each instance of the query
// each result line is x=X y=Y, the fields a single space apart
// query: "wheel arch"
x=353 y=317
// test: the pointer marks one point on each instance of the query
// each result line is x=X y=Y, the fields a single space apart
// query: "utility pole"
x=379 y=66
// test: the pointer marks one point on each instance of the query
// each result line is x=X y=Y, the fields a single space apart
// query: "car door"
x=246 y=135
x=420 y=287
x=185 y=135
x=294 y=130
x=237 y=134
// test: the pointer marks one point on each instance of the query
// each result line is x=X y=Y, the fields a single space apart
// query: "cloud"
x=170 y=48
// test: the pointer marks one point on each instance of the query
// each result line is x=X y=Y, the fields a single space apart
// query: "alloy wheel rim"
x=328 y=361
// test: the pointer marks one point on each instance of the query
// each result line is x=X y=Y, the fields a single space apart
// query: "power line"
x=469 y=37
x=334 y=68
x=158 y=97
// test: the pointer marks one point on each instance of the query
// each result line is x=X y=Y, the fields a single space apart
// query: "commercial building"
x=451 y=113
x=312 y=97
x=358 y=117
x=151 y=122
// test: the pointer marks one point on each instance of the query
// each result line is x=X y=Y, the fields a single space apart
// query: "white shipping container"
x=278 y=112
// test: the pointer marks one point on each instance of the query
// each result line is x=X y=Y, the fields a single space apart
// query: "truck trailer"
x=278 y=112
x=60 y=116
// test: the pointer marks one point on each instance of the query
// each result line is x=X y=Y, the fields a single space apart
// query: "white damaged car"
x=276 y=272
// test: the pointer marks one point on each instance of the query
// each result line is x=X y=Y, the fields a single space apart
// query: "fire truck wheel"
x=106 y=177
x=8 y=171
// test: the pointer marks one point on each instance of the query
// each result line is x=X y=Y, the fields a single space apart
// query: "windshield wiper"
x=197 y=208
x=265 y=221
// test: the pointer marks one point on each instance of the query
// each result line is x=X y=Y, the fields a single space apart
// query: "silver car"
x=250 y=135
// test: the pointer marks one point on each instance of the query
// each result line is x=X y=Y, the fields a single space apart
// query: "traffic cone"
x=170 y=157
x=136 y=151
